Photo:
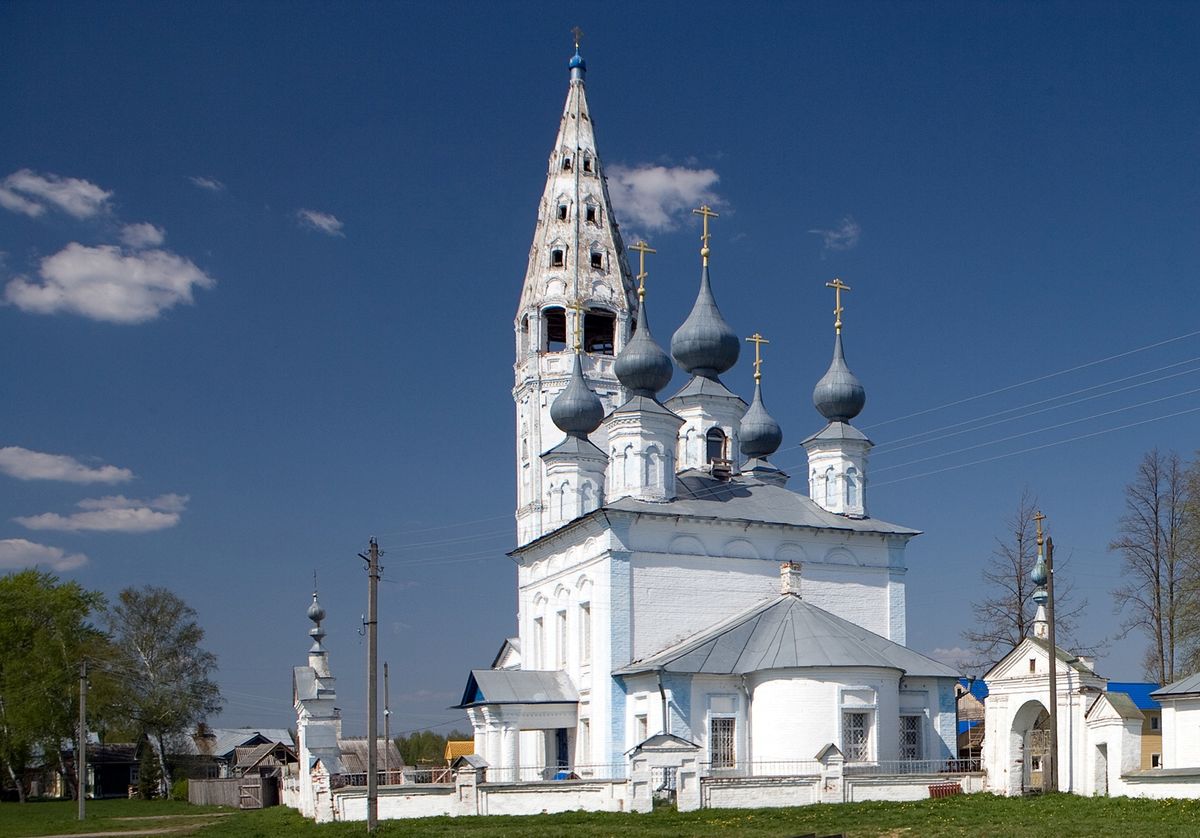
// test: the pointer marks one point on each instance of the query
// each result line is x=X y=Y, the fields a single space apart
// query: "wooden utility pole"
x=81 y=756
x=372 y=625
x=1052 y=769
x=387 y=729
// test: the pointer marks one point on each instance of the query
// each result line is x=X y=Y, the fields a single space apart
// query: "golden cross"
x=705 y=211
x=838 y=287
x=1038 y=518
x=577 y=307
x=641 y=248
x=578 y=33
x=758 y=340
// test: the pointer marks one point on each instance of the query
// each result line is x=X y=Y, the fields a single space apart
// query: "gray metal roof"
x=354 y=753
x=746 y=499
x=760 y=434
x=698 y=385
x=516 y=686
x=838 y=430
x=1184 y=686
x=839 y=395
x=643 y=367
x=786 y=632
x=642 y=404
x=704 y=344
x=1121 y=703
x=577 y=410
x=575 y=446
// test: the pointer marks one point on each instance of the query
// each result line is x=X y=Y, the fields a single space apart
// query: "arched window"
x=715 y=444
x=830 y=482
x=599 y=328
x=554 y=329
x=851 y=487
x=558 y=257
x=654 y=468
x=525 y=334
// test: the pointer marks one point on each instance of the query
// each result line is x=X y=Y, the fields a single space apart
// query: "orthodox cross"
x=707 y=213
x=578 y=33
x=641 y=248
x=758 y=340
x=838 y=287
x=1038 y=518
x=577 y=307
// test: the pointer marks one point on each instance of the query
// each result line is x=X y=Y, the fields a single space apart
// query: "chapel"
x=670 y=580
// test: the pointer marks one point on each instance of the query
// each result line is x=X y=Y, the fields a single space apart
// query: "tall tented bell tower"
x=578 y=279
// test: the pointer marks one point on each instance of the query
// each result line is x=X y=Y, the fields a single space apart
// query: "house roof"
x=354 y=754
x=250 y=757
x=785 y=632
x=515 y=686
x=459 y=748
x=1123 y=705
x=966 y=724
x=1139 y=691
x=975 y=686
x=1184 y=686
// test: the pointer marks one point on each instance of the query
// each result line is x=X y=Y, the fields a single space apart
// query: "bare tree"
x=1158 y=595
x=1005 y=616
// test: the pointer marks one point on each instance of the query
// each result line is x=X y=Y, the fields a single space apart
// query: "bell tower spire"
x=577 y=282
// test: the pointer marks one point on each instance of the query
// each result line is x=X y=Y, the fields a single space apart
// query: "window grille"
x=721 y=742
x=854 y=737
x=910 y=737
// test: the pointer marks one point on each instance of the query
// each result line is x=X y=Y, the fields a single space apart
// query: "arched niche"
x=686 y=545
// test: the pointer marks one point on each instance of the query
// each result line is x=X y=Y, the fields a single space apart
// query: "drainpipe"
x=666 y=718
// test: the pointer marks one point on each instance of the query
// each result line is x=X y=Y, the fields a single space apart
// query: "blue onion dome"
x=577 y=411
x=760 y=435
x=839 y=396
x=577 y=61
x=705 y=345
x=643 y=367
x=315 y=612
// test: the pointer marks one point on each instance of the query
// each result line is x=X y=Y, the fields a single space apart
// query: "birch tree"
x=1159 y=595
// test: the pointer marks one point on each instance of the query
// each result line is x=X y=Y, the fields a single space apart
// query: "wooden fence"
x=215 y=792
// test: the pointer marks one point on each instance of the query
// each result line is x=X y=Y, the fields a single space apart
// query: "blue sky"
x=306 y=228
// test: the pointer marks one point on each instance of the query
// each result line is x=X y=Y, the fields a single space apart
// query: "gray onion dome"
x=315 y=612
x=643 y=367
x=577 y=411
x=705 y=345
x=839 y=396
x=760 y=435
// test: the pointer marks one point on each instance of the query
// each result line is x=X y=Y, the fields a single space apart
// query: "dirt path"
x=192 y=823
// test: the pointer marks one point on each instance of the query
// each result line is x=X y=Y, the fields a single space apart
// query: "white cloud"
x=115 y=513
x=954 y=656
x=30 y=193
x=321 y=221
x=142 y=235
x=655 y=196
x=209 y=183
x=105 y=283
x=24 y=464
x=17 y=553
x=842 y=237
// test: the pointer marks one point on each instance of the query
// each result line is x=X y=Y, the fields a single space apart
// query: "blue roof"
x=977 y=687
x=966 y=724
x=1139 y=691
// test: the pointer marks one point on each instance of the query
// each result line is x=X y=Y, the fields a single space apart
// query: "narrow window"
x=583 y=749
x=715 y=444
x=539 y=639
x=557 y=259
x=562 y=212
x=561 y=619
x=854 y=737
x=851 y=487
x=1156 y=760
x=591 y=215
x=597 y=260
x=1154 y=722
x=598 y=330
x=566 y=164
x=585 y=633
x=642 y=726
x=910 y=737
x=830 y=483
x=1033 y=664
x=722 y=746
x=587 y=163
x=555 y=329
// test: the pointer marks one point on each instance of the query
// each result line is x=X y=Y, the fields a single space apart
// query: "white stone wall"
x=1180 y=743
x=906 y=787
x=699 y=417
x=563 y=796
x=759 y=792
x=833 y=465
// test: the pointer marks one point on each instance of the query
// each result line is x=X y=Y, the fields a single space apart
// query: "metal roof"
x=744 y=498
x=976 y=686
x=1138 y=691
x=1184 y=686
x=354 y=754
x=515 y=686
x=698 y=385
x=785 y=632
x=1121 y=703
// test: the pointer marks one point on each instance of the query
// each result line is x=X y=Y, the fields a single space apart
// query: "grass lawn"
x=54 y=817
x=1057 y=816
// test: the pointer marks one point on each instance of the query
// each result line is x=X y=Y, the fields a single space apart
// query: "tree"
x=1006 y=615
x=167 y=685
x=1159 y=595
x=45 y=632
x=424 y=747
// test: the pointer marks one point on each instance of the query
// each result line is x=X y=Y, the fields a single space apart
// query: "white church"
x=670 y=582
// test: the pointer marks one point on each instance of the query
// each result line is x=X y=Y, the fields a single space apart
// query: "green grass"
x=58 y=817
x=1056 y=816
